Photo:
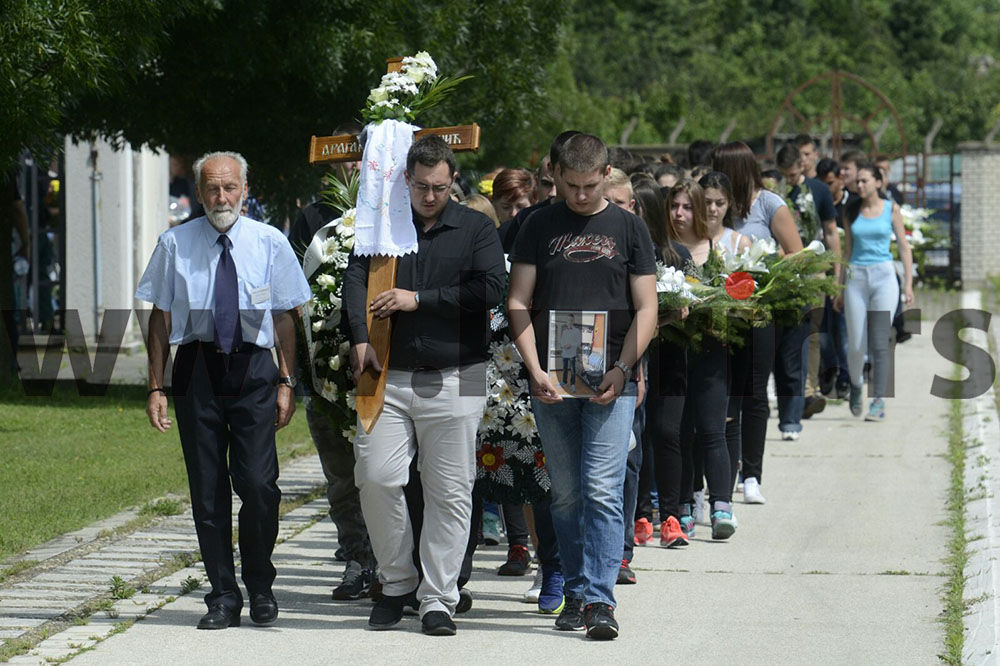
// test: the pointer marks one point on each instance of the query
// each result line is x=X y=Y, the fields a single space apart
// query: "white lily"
x=816 y=247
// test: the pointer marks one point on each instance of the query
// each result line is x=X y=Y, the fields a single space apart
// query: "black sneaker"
x=464 y=601
x=437 y=623
x=600 y=621
x=571 y=617
x=388 y=611
x=356 y=583
x=827 y=379
x=625 y=574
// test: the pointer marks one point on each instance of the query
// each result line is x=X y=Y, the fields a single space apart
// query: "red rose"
x=740 y=285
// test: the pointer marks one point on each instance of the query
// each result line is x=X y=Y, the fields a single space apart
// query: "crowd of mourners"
x=699 y=417
x=539 y=286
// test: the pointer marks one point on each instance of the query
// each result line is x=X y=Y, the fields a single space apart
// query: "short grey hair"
x=200 y=162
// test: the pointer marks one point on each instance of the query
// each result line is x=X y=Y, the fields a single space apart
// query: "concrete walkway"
x=843 y=565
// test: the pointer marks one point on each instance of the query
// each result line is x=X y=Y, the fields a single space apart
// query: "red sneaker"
x=518 y=562
x=671 y=534
x=643 y=532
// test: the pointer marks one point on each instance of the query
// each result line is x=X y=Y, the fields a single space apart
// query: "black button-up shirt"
x=458 y=270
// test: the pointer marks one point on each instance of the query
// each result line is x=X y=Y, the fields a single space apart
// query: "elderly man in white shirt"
x=224 y=289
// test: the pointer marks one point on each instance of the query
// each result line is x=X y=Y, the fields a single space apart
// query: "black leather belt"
x=243 y=348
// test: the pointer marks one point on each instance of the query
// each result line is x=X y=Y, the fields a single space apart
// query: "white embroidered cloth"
x=384 y=222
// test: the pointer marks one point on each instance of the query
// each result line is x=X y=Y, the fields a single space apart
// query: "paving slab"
x=88 y=559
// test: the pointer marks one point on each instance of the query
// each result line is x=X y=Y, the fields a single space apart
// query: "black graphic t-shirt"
x=584 y=263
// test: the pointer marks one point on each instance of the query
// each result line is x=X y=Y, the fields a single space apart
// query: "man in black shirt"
x=834 y=349
x=828 y=172
x=435 y=389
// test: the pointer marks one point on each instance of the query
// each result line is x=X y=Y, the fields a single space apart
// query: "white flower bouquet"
x=329 y=349
x=415 y=88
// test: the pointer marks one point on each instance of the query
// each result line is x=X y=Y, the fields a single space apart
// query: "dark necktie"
x=227 y=302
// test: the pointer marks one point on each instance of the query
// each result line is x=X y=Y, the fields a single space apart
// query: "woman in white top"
x=757 y=213
x=719 y=213
x=719 y=220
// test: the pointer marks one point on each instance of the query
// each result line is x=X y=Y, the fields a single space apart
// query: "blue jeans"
x=586 y=447
x=834 y=343
x=789 y=379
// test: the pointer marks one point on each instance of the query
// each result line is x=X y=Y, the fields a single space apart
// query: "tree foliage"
x=709 y=62
x=261 y=77
x=57 y=51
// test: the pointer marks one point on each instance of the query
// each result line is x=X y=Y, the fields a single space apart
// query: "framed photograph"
x=577 y=354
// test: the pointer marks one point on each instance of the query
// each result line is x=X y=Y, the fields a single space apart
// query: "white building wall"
x=131 y=205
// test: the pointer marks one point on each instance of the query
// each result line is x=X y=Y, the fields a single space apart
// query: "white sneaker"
x=531 y=596
x=789 y=436
x=751 y=491
x=699 y=507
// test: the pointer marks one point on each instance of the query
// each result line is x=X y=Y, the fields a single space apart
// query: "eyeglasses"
x=424 y=188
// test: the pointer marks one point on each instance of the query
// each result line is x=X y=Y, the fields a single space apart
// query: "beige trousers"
x=434 y=417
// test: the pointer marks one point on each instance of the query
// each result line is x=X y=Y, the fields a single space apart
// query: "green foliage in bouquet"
x=795 y=282
x=753 y=288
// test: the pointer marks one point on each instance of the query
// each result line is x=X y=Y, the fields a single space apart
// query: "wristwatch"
x=288 y=381
x=416 y=298
x=625 y=368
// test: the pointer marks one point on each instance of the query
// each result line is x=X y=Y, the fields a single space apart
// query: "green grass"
x=162 y=507
x=958 y=554
x=120 y=589
x=70 y=460
x=16 y=568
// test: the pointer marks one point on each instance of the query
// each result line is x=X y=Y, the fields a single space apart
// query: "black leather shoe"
x=220 y=617
x=263 y=608
x=387 y=611
x=437 y=623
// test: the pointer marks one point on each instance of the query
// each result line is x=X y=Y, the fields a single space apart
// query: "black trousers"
x=703 y=428
x=750 y=367
x=225 y=407
x=664 y=408
x=515 y=525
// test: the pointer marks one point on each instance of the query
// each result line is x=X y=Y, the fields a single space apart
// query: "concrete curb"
x=981 y=429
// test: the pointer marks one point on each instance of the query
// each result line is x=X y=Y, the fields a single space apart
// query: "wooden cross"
x=382 y=268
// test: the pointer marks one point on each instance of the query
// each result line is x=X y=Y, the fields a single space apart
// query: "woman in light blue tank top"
x=871 y=285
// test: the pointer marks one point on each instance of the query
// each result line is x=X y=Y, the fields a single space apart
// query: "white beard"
x=224 y=217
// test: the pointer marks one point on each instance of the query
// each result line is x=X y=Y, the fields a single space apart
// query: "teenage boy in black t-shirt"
x=585 y=254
